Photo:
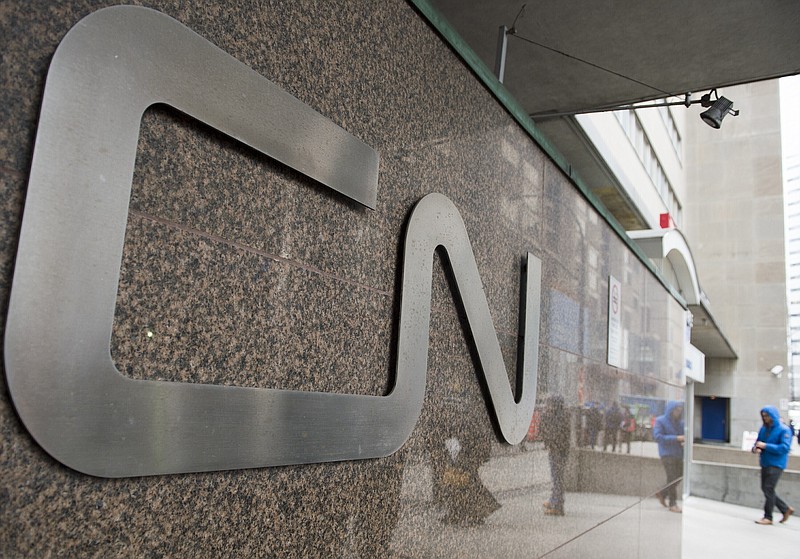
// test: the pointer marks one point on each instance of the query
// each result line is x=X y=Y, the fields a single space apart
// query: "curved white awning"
x=670 y=253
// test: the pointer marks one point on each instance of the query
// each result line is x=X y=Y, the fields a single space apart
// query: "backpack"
x=628 y=425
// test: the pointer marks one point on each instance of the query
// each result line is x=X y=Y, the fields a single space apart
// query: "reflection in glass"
x=627 y=428
x=668 y=432
x=555 y=434
x=460 y=489
x=613 y=418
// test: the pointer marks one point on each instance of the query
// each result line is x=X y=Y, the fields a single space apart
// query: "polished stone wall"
x=240 y=271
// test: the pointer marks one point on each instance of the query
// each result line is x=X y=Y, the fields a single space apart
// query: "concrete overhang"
x=577 y=57
x=669 y=252
x=707 y=336
x=581 y=56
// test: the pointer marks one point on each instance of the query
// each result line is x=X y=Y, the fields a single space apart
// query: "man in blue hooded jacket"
x=668 y=433
x=772 y=445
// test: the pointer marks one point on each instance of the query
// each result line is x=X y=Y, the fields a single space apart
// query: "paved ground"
x=713 y=529
x=600 y=526
x=596 y=526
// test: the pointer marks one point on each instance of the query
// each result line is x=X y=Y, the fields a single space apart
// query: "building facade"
x=242 y=276
x=719 y=195
x=735 y=209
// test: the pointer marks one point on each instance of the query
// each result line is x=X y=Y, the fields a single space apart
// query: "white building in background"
x=790 y=129
x=792 y=185
x=644 y=151
x=706 y=206
x=735 y=224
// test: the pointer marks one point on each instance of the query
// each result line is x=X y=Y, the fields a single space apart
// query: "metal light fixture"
x=721 y=107
x=777 y=369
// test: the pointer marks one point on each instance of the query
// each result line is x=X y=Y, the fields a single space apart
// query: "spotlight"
x=776 y=370
x=721 y=107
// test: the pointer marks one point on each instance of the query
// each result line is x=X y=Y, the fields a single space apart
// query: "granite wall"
x=240 y=271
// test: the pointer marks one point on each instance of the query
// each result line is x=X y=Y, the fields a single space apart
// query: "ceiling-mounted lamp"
x=717 y=108
x=717 y=111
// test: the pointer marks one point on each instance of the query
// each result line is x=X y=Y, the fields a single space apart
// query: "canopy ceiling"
x=577 y=56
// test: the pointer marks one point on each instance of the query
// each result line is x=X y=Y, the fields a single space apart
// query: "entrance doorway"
x=715 y=419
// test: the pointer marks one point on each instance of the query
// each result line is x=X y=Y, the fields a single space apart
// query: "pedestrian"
x=594 y=421
x=772 y=445
x=627 y=428
x=555 y=431
x=613 y=417
x=668 y=432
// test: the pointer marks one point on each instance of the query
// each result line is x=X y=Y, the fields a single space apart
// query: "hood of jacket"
x=670 y=407
x=778 y=438
x=772 y=411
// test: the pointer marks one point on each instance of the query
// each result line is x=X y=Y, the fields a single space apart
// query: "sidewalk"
x=715 y=529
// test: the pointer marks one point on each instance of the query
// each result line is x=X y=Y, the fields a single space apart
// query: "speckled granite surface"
x=247 y=273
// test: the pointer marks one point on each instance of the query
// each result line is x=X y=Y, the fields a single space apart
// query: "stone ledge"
x=739 y=484
x=730 y=455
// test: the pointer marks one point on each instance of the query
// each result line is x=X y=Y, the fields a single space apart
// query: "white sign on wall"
x=694 y=364
x=749 y=439
x=614 y=322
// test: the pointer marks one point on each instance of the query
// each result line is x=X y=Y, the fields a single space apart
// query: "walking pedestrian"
x=668 y=433
x=555 y=430
x=627 y=428
x=772 y=445
x=613 y=417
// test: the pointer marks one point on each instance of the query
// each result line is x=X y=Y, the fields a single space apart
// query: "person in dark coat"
x=613 y=419
x=555 y=433
x=627 y=428
x=594 y=423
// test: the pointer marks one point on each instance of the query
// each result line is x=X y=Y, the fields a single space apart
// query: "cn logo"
x=108 y=69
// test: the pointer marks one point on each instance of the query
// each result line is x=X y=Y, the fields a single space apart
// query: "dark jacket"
x=778 y=438
x=666 y=431
x=613 y=417
x=555 y=425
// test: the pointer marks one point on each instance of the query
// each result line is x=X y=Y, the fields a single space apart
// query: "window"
x=633 y=129
x=672 y=131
